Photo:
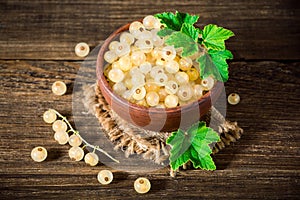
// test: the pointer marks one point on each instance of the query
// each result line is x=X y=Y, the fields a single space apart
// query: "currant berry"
x=233 y=98
x=127 y=38
x=161 y=79
x=172 y=67
x=145 y=45
x=49 y=116
x=142 y=185
x=136 y=28
x=168 y=52
x=198 y=91
x=151 y=86
x=119 y=88
x=39 y=154
x=156 y=70
x=185 y=63
x=122 y=49
x=116 y=75
x=208 y=83
x=75 y=140
x=138 y=80
x=91 y=159
x=139 y=93
x=185 y=92
x=171 y=87
x=138 y=57
x=113 y=45
x=59 y=88
x=59 y=126
x=150 y=22
x=152 y=98
x=193 y=74
x=105 y=177
x=171 y=101
x=61 y=137
x=76 y=153
x=145 y=67
x=125 y=63
x=182 y=77
x=110 y=56
x=82 y=49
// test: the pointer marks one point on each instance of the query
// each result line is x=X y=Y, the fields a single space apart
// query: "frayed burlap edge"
x=151 y=145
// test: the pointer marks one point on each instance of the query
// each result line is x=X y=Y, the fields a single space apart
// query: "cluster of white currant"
x=60 y=127
x=144 y=70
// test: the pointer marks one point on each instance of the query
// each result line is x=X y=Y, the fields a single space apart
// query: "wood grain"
x=49 y=30
x=263 y=164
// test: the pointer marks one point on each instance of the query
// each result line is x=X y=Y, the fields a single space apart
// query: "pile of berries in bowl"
x=148 y=82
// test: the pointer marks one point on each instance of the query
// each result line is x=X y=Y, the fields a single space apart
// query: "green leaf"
x=214 y=63
x=193 y=145
x=214 y=37
x=190 y=30
x=175 y=21
x=181 y=40
x=165 y=32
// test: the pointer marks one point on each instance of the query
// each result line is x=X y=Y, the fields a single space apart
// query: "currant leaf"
x=190 y=30
x=214 y=37
x=181 y=40
x=214 y=63
x=193 y=145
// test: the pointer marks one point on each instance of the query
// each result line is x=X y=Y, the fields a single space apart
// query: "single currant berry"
x=171 y=87
x=138 y=58
x=125 y=63
x=145 y=45
x=39 y=154
x=185 y=92
x=59 y=125
x=233 y=98
x=185 y=63
x=150 y=22
x=172 y=66
x=139 y=93
x=171 y=101
x=136 y=29
x=145 y=67
x=156 y=70
x=105 y=177
x=127 y=38
x=61 y=137
x=152 y=98
x=122 y=49
x=138 y=80
x=49 y=116
x=119 y=88
x=142 y=185
x=193 y=74
x=91 y=159
x=76 y=153
x=75 y=140
x=110 y=56
x=82 y=49
x=151 y=86
x=59 y=88
x=116 y=75
x=182 y=78
x=113 y=45
x=198 y=91
x=208 y=83
x=161 y=79
x=168 y=52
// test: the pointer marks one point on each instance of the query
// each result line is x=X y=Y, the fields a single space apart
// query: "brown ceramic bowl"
x=154 y=119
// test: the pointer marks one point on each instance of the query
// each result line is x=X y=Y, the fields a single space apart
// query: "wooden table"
x=37 y=40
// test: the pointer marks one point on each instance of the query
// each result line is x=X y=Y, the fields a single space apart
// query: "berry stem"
x=83 y=140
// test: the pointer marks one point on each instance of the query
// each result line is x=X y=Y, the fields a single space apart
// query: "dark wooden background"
x=37 y=40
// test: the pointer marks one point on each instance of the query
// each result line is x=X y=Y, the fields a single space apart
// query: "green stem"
x=83 y=140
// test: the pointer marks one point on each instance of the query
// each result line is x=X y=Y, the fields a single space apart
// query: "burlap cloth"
x=148 y=144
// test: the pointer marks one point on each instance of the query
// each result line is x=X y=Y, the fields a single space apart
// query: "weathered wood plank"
x=50 y=29
x=263 y=164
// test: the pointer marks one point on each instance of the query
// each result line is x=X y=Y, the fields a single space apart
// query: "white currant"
x=39 y=154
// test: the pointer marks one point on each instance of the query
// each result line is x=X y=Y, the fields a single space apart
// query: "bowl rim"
x=101 y=79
